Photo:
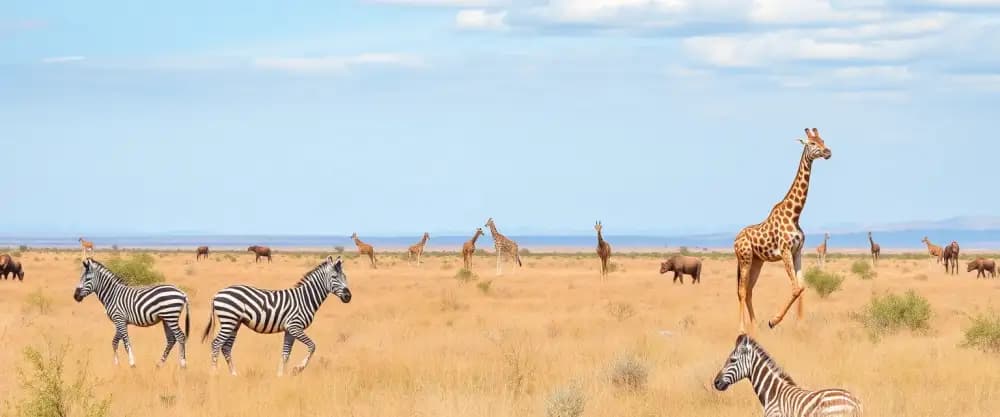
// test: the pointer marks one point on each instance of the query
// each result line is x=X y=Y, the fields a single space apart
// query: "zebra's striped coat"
x=777 y=392
x=290 y=311
x=138 y=306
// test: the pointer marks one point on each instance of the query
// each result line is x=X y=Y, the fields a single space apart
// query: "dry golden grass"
x=419 y=342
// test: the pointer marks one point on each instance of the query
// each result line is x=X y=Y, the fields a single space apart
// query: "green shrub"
x=984 y=333
x=465 y=275
x=49 y=394
x=22 y=248
x=137 y=269
x=629 y=373
x=824 y=283
x=887 y=314
x=685 y=251
x=338 y=249
x=484 y=286
x=863 y=269
x=567 y=401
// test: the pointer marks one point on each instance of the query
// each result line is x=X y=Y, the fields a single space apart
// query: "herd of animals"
x=779 y=238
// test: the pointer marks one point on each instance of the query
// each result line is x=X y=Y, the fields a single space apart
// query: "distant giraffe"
x=950 y=257
x=932 y=249
x=779 y=237
x=821 y=250
x=503 y=245
x=469 y=248
x=86 y=246
x=876 y=250
x=364 y=249
x=417 y=249
x=603 y=249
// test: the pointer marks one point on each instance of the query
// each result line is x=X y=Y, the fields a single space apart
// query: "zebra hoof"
x=297 y=370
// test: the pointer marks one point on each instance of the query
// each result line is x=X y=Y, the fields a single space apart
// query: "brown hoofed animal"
x=469 y=248
x=261 y=252
x=876 y=249
x=821 y=250
x=681 y=265
x=202 y=251
x=417 y=249
x=950 y=257
x=10 y=266
x=983 y=266
x=86 y=246
x=503 y=246
x=933 y=250
x=603 y=249
x=778 y=238
x=364 y=249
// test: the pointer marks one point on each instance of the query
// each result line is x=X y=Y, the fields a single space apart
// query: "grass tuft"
x=628 y=372
x=49 y=394
x=863 y=269
x=566 y=401
x=983 y=333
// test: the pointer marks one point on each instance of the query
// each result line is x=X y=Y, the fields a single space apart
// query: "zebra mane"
x=769 y=362
x=108 y=272
x=309 y=275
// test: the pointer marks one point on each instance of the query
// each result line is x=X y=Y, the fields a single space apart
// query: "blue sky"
x=400 y=116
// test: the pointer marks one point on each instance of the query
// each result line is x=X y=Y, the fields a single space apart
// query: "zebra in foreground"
x=777 y=392
x=138 y=306
x=290 y=310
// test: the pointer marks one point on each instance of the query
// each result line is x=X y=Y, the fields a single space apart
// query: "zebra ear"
x=329 y=258
x=338 y=265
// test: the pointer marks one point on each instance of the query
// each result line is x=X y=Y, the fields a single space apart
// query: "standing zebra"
x=138 y=306
x=779 y=395
x=290 y=310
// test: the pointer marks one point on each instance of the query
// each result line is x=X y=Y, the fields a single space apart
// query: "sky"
x=390 y=117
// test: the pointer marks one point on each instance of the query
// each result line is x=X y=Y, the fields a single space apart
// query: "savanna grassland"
x=548 y=337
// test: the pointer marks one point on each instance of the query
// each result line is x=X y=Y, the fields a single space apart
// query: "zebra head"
x=86 y=285
x=336 y=278
x=738 y=365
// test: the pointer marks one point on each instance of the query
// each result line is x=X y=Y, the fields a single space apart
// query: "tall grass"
x=48 y=393
x=863 y=269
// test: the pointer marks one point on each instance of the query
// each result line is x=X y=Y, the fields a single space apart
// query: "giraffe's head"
x=489 y=223
x=426 y=235
x=814 y=146
x=86 y=285
x=354 y=235
x=598 y=226
x=479 y=231
x=924 y=240
x=80 y=239
x=826 y=235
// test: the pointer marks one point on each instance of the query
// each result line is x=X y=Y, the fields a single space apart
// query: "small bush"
x=49 y=394
x=230 y=257
x=984 y=333
x=38 y=301
x=114 y=247
x=137 y=269
x=621 y=311
x=524 y=252
x=22 y=248
x=863 y=269
x=484 y=286
x=338 y=249
x=629 y=373
x=465 y=275
x=890 y=313
x=824 y=283
x=615 y=267
x=567 y=401
x=685 y=251
x=189 y=271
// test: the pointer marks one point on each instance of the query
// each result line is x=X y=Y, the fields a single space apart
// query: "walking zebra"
x=290 y=310
x=777 y=392
x=138 y=306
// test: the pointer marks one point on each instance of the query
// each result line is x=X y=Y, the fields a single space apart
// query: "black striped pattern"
x=137 y=306
x=273 y=311
x=776 y=391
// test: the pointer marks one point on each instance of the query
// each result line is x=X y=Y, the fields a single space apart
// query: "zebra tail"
x=187 y=318
x=210 y=327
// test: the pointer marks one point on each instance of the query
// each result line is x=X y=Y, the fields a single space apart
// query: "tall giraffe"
x=603 y=249
x=503 y=245
x=778 y=238
x=469 y=248
x=417 y=249
x=932 y=249
x=876 y=249
x=821 y=250
x=365 y=249
x=86 y=246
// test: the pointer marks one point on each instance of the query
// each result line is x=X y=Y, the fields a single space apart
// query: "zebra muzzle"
x=77 y=296
x=345 y=297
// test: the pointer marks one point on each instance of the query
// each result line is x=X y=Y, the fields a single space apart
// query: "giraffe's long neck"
x=767 y=380
x=494 y=232
x=799 y=190
x=358 y=242
x=423 y=240
x=871 y=241
x=476 y=237
x=600 y=238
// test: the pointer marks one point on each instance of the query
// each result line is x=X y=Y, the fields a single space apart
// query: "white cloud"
x=478 y=19
x=804 y=11
x=337 y=64
x=445 y=3
x=979 y=3
x=62 y=59
x=756 y=50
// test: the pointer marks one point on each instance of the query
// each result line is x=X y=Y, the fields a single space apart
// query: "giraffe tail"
x=517 y=257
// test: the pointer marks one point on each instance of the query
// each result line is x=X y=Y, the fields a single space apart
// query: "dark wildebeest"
x=950 y=257
x=261 y=252
x=681 y=265
x=202 y=251
x=983 y=266
x=9 y=266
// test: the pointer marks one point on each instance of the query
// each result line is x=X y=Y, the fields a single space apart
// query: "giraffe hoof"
x=771 y=324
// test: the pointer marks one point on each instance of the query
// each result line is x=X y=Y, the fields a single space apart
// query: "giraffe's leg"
x=171 y=340
x=742 y=279
x=787 y=259
x=797 y=264
x=301 y=336
x=286 y=351
x=755 y=266
x=498 y=261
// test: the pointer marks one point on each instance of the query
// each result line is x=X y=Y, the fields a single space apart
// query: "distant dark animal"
x=261 y=252
x=9 y=266
x=603 y=249
x=202 y=251
x=681 y=265
x=950 y=257
x=876 y=249
x=983 y=266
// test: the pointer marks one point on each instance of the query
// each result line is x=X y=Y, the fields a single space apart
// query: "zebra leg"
x=128 y=348
x=301 y=336
x=286 y=351
x=114 y=345
x=171 y=340
x=227 y=350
